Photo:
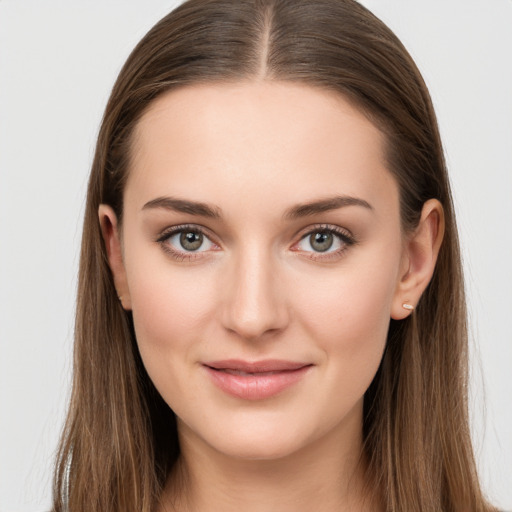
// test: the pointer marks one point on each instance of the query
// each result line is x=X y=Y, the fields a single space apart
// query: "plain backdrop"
x=58 y=61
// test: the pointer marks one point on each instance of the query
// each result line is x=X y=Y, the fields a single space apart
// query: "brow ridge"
x=295 y=212
x=324 y=205
x=184 y=206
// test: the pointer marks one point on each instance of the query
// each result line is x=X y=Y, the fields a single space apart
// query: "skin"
x=257 y=288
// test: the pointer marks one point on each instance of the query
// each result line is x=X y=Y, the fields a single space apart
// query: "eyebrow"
x=295 y=212
x=325 y=205
x=183 y=206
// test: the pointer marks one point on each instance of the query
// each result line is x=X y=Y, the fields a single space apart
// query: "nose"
x=255 y=303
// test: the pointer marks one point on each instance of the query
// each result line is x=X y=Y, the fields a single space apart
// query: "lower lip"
x=256 y=387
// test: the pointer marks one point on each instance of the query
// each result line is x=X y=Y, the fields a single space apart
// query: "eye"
x=186 y=242
x=321 y=241
x=324 y=240
x=189 y=240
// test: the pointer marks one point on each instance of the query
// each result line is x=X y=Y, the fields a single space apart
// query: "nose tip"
x=256 y=305
x=253 y=322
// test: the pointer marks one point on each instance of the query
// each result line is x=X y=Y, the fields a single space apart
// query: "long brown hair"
x=120 y=442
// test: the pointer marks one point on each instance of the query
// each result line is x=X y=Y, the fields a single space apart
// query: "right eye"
x=185 y=242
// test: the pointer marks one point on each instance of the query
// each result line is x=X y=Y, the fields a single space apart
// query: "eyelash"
x=344 y=236
x=183 y=228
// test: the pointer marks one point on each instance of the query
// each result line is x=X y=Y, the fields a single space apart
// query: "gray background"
x=58 y=60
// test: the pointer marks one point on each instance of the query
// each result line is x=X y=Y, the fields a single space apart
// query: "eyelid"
x=185 y=255
x=345 y=235
x=172 y=230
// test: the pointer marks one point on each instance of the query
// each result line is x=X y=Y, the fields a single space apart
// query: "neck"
x=316 y=477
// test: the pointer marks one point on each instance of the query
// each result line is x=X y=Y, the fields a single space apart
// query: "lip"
x=255 y=380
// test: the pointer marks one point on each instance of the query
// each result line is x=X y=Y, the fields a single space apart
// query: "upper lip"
x=267 y=365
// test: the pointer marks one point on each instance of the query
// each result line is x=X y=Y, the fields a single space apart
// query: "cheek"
x=176 y=300
x=349 y=300
x=348 y=314
x=171 y=311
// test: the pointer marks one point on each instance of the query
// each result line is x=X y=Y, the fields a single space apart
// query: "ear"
x=110 y=232
x=419 y=258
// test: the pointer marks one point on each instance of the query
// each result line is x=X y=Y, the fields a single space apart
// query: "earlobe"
x=110 y=232
x=419 y=258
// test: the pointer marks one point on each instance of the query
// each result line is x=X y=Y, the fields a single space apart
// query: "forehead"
x=269 y=142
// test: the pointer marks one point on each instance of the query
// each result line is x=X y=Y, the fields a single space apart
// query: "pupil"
x=191 y=241
x=321 y=242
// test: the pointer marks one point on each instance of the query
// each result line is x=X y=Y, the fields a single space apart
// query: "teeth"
x=245 y=374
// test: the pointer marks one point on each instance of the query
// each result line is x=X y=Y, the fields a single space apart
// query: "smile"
x=255 y=381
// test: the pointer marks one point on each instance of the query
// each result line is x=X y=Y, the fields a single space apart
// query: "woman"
x=270 y=311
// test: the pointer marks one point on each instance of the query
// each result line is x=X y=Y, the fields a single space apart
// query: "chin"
x=249 y=436
x=263 y=436
x=261 y=448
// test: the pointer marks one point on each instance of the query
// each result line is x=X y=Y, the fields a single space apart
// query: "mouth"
x=255 y=380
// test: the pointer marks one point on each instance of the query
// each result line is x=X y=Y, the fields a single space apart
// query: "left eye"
x=322 y=241
x=188 y=240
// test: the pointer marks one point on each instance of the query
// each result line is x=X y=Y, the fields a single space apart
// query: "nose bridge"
x=254 y=305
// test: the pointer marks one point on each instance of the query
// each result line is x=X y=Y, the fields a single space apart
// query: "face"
x=262 y=253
